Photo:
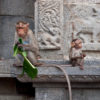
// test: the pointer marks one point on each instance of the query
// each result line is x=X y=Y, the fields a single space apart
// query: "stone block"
x=17 y=7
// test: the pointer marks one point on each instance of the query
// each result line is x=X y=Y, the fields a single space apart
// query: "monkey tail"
x=67 y=79
x=66 y=75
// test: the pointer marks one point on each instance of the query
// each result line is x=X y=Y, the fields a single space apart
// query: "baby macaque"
x=30 y=44
x=76 y=55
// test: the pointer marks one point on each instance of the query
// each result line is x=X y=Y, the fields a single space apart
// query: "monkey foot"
x=17 y=65
x=38 y=64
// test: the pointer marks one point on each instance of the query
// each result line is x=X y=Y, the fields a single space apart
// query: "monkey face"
x=22 y=29
x=78 y=44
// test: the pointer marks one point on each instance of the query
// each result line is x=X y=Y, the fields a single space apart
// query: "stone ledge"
x=92 y=85
x=52 y=74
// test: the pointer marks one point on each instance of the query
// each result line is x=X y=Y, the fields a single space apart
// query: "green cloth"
x=30 y=69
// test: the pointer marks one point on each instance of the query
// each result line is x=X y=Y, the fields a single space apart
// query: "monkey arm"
x=83 y=54
x=29 y=48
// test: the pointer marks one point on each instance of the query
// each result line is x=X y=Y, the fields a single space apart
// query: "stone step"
x=90 y=72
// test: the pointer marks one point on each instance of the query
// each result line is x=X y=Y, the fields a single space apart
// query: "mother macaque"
x=76 y=55
x=29 y=43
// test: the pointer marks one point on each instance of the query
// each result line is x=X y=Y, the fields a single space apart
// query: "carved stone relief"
x=87 y=26
x=49 y=23
x=83 y=1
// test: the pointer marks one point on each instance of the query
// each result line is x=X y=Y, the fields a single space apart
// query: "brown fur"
x=76 y=55
x=23 y=31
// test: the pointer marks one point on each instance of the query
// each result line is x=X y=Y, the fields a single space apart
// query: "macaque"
x=76 y=55
x=30 y=44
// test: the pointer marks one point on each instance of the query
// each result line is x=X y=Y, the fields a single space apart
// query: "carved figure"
x=89 y=28
x=49 y=24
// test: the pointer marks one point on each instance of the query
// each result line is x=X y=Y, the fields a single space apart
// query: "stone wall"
x=62 y=94
x=51 y=21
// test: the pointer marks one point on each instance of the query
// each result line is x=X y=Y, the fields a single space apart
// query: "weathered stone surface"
x=12 y=97
x=6 y=67
x=59 y=77
x=49 y=23
x=51 y=74
x=62 y=94
x=51 y=94
x=17 y=7
x=74 y=85
x=7 y=33
x=52 y=54
x=86 y=94
x=82 y=1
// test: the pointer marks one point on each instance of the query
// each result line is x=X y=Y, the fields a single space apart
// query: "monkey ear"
x=72 y=44
x=28 y=24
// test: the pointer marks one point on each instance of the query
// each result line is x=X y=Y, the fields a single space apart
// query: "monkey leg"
x=74 y=62
x=81 y=63
x=19 y=61
x=33 y=59
x=38 y=64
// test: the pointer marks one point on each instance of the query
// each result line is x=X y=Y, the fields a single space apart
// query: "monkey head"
x=22 y=28
x=76 y=43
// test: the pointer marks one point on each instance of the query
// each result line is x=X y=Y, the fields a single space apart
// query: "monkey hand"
x=17 y=43
x=38 y=57
x=20 y=46
x=83 y=55
x=72 y=44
